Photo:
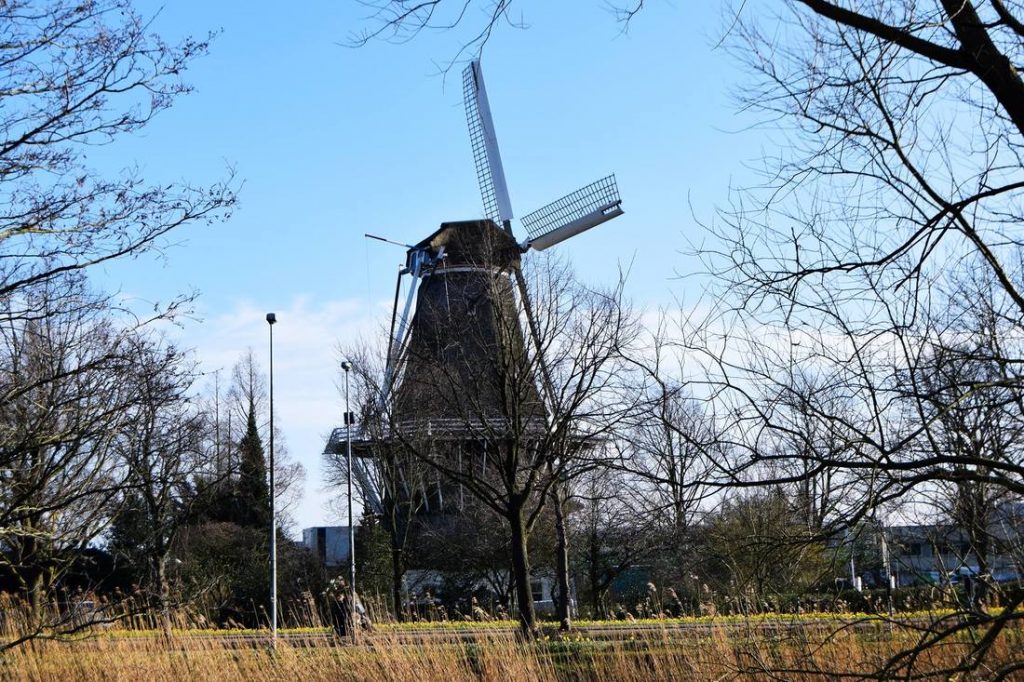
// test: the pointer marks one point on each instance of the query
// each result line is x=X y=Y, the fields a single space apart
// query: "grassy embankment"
x=722 y=648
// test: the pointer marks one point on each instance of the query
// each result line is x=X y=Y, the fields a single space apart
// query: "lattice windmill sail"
x=567 y=217
x=486 y=155
x=574 y=213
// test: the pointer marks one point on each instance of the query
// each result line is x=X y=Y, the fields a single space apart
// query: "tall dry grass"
x=665 y=654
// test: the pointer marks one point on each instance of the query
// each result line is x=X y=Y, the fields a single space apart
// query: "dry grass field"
x=715 y=651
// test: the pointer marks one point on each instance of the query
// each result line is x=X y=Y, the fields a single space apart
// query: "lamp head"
x=271 y=318
x=346 y=365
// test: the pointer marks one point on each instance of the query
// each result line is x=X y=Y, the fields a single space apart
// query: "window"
x=537 y=587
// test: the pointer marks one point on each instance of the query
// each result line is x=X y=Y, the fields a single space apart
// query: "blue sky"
x=331 y=142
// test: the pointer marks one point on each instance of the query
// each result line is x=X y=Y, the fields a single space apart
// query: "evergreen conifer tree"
x=253 y=492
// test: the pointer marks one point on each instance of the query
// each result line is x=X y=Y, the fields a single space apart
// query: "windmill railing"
x=442 y=429
x=437 y=429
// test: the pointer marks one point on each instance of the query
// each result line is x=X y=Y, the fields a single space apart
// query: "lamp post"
x=271 y=319
x=347 y=366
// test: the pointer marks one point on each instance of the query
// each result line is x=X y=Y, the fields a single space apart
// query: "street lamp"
x=271 y=319
x=347 y=366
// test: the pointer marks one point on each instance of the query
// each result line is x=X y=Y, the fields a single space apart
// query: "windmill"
x=581 y=210
x=459 y=262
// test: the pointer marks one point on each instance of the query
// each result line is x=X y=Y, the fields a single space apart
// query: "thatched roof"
x=474 y=242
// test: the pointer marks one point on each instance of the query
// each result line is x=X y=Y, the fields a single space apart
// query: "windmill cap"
x=473 y=242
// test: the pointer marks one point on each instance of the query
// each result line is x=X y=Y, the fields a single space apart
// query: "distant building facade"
x=941 y=554
x=329 y=543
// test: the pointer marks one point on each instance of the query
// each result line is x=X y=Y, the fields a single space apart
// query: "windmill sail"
x=486 y=156
x=585 y=208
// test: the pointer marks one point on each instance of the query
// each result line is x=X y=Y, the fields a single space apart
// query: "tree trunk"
x=163 y=592
x=593 y=556
x=562 y=611
x=990 y=65
x=521 y=572
x=396 y=523
x=397 y=572
x=977 y=526
x=30 y=574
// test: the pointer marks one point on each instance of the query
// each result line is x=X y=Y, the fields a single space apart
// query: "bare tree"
x=248 y=392
x=475 y=21
x=669 y=442
x=969 y=397
x=469 y=403
x=402 y=20
x=67 y=396
x=72 y=75
x=612 y=530
x=163 y=450
x=392 y=483
x=897 y=181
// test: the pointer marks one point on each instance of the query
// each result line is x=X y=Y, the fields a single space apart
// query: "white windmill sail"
x=585 y=208
x=486 y=156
